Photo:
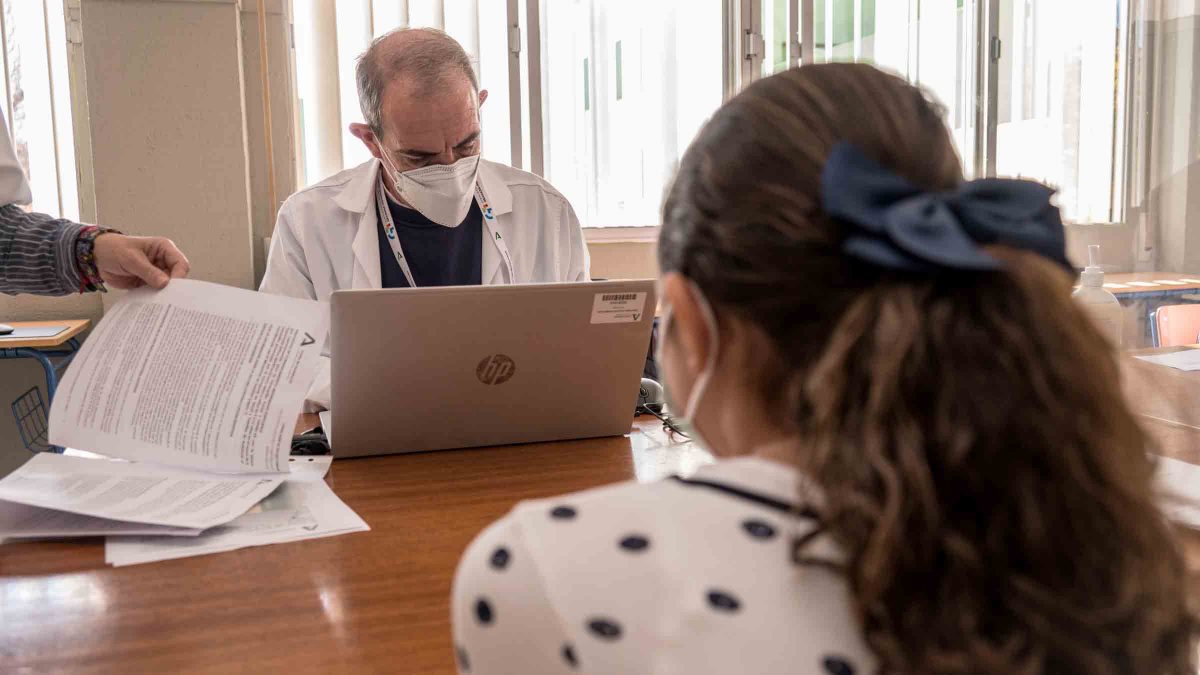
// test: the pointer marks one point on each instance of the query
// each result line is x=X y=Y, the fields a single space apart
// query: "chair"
x=1175 y=325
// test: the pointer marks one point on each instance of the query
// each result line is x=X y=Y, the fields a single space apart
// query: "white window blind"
x=1056 y=99
x=619 y=88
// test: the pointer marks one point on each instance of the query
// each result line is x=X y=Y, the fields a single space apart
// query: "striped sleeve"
x=37 y=253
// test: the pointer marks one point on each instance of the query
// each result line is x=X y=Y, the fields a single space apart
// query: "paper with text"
x=134 y=492
x=196 y=375
x=302 y=508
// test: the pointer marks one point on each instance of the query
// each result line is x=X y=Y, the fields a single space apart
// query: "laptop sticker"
x=618 y=307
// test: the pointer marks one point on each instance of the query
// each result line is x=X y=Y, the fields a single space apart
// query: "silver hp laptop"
x=465 y=366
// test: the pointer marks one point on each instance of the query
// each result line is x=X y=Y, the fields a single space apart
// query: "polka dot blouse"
x=680 y=576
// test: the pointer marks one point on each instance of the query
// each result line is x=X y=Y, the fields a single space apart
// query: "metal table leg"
x=51 y=370
x=47 y=367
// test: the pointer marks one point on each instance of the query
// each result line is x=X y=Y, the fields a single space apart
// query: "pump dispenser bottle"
x=1099 y=303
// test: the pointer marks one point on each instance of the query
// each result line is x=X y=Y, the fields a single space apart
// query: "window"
x=37 y=101
x=626 y=86
x=1058 y=112
x=617 y=89
x=1060 y=116
x=932 y=44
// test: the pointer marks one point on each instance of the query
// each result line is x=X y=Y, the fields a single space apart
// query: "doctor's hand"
x=132 y=262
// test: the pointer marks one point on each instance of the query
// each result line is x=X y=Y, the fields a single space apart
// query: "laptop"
x=417 y=369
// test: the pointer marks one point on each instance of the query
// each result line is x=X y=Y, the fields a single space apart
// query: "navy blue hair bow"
x=898 y=226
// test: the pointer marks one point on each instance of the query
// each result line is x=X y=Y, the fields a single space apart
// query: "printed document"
x=196 y=375
x=191 y=395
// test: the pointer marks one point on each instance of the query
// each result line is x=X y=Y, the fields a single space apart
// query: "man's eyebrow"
x=425 y=153
x=417 y=153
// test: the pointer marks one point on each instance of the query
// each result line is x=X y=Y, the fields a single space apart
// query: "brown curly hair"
x=978 y=462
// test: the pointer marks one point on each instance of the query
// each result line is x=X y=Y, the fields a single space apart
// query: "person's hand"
x=132 y=262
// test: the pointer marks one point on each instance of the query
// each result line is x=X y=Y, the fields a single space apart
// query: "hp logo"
x=495 y=369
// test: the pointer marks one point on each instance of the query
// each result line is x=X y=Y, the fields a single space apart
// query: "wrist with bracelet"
x=85 y=258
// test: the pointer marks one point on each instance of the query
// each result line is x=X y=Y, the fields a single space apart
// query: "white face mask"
x=441 y=193
x=687 y=421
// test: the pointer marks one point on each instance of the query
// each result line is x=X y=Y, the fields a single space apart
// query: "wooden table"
x=1151 y=284
x=1168 y=403
x=1146 y=292
x=367 y=602
x=74 y=328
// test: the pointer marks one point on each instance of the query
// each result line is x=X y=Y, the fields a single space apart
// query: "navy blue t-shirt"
x=437 y=256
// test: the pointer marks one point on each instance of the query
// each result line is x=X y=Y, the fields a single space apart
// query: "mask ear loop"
x=387 y=164
x=675 y=424
x=701 y=385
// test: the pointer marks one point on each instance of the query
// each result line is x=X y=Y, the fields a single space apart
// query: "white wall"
x=168 y=126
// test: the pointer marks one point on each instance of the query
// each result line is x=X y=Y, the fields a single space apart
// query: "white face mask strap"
x=701 y=384
x=387 y=164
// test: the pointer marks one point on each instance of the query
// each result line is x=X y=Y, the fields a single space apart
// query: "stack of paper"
x=302 y=508
x=57 y=496
x=191 y=395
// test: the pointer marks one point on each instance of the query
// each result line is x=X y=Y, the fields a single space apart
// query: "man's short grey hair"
x=426 y=54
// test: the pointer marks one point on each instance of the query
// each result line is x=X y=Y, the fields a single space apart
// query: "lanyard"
x=489 y=223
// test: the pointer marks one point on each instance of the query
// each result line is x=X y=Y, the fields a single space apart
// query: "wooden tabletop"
x=74 y=328
x=374 y=601
x=366 y=602
x=1151 y=282
x=1168 y=403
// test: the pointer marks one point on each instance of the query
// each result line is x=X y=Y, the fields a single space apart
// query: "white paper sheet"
x=1179 y=483
x=18 y=521
x=1187 y=359
x=197 y=375
x=135 y=492
x=303 y=508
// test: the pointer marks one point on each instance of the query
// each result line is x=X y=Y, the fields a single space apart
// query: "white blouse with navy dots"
x=682 y=576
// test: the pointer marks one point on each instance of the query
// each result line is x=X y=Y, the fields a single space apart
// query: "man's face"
x=438 y=126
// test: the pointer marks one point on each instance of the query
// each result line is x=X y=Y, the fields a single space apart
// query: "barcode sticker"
x=618 y=307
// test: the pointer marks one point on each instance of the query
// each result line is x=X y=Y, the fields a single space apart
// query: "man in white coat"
x=426 y=210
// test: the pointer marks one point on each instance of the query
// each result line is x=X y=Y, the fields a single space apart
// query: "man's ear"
x=363 y=133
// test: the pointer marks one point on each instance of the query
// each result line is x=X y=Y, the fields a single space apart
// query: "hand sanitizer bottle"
x=1103 y=306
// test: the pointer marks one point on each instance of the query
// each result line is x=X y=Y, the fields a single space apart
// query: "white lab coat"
x=14 y=189
x=325 y=239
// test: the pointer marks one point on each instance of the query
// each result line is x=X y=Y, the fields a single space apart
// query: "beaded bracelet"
x=85 y=258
